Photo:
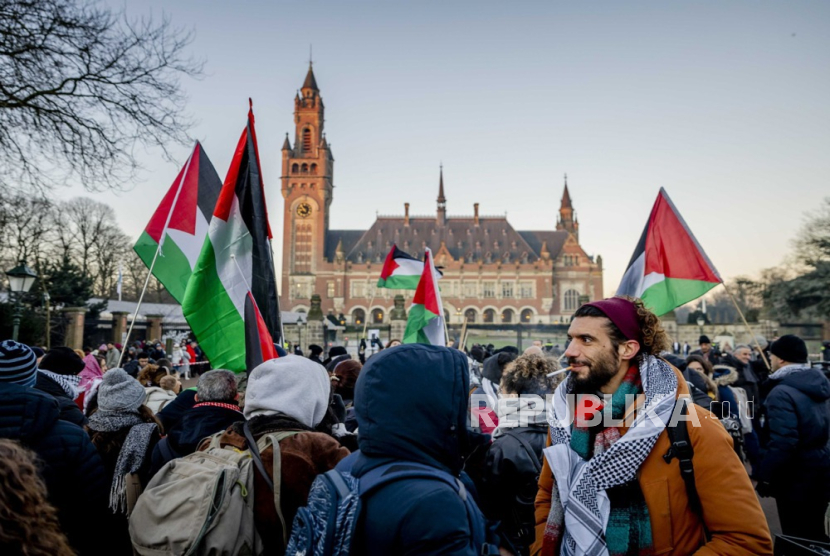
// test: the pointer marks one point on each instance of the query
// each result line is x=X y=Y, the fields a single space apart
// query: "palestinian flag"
x=259 y=346
x=180 y=224
x=401 y=271
x=425 y=323
x=235 y=259
x=668 y=268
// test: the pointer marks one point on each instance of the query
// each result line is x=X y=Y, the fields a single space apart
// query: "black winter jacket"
x=796 y=462
x=70 y=465
x=420 y=419
x=510 y=484
x=196 y=424
x=69 y=410
x=173 y=412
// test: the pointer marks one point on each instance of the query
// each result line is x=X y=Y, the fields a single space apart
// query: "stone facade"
x=492 y=272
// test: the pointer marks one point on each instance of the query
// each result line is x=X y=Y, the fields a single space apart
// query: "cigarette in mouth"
x=559 y=372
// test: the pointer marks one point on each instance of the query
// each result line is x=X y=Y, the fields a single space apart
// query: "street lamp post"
x=21 y=279
x=701 y=320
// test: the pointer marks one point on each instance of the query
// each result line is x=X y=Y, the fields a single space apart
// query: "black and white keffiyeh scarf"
x=581 y=485
x=69 y=383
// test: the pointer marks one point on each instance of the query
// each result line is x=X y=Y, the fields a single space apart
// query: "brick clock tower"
x=307 y=171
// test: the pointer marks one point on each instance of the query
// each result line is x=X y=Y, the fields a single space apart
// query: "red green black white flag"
x=425 y=322
x=180 y=224
x=235 y=260
x=401 y=271
x=668 y=268
x=259 y=346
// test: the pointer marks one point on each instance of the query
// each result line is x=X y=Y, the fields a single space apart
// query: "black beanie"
x=62 y=361
x=790 y=348
x=315 y=349
x=495 y=364
x=704 y=340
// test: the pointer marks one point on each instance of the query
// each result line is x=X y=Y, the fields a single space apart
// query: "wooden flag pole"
x=462 y=340
x=446 y=331
x=366 y=320
x=751 y=333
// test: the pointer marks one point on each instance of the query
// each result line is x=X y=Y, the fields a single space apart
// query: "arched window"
x=377 y=316
x=314 y=169
x=295 y=168
x=305 y=168
x=470 y=315
x=489 y=315
x=358 y=316
x=527 y=314
x=571 y=300
x=307 y=140
x=507 y=315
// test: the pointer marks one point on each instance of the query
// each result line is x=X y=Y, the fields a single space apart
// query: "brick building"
x=493 y=273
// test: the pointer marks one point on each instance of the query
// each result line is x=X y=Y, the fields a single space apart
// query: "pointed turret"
x=567 y=215
x=286 y=146
x=442 y=201
x=310 y=82
x=441 y=198
x=566 y=196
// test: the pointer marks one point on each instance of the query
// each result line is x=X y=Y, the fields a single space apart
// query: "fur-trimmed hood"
x=725 y=375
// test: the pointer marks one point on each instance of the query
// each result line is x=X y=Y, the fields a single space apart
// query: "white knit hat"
x=292 y=385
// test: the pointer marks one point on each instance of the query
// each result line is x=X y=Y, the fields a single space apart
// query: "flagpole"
x=462 y=340
x=366 y=320
x=138 y=306
x=155 y=256
x=751 y=333
x=279 y=307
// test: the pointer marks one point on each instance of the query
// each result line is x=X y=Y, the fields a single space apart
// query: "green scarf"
x=629 y=526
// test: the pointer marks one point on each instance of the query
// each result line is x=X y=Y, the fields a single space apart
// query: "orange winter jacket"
x=731 y=510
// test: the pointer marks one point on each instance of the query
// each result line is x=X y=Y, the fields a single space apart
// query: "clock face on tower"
x=303 y=210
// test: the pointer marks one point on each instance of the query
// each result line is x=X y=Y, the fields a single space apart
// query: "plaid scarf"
x=605 y=512
x=69 y=383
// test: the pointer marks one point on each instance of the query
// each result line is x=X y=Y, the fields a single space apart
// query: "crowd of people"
x=485 y=451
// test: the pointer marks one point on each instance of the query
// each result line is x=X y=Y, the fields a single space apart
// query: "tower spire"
x=441 y=198
x=310 y=82
x=566 y=196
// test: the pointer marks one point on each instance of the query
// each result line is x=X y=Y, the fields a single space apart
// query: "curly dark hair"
x=528 y=374
x=151 y=375
x=655 y=340
x=28 y=523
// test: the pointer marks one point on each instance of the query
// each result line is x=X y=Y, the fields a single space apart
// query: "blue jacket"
x=71 y=467
x=797 y=459
x=411 y=403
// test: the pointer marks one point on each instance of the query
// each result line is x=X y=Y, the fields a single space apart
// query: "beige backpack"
x=203 y=503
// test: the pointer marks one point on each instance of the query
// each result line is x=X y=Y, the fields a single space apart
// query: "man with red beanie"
x=611 y=481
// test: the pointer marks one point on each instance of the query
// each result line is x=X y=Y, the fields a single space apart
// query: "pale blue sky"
x=725 y=104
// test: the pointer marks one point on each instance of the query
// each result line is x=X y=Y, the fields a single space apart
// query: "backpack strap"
x=537 y=464
x=681 y=448
x=274 y=482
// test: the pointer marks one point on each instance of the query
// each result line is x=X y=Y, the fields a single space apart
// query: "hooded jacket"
x=797 y=459
x=157 y=398
x=732 y=512
x=410 y=404
x=70 y=465
x=290 y=393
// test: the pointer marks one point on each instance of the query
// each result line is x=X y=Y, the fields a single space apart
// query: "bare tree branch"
x=82 y=88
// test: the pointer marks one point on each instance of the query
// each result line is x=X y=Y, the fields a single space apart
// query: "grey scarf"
x=69 y=383
x=133 y=452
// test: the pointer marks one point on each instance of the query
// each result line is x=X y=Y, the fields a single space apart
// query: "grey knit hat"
x=18 y=363
x=120 y=392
